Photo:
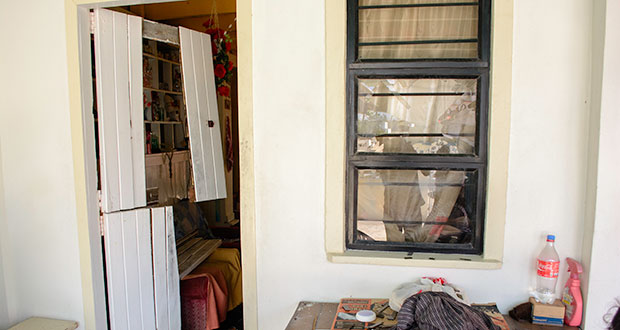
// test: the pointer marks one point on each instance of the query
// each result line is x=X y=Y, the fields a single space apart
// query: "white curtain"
x=418 y=23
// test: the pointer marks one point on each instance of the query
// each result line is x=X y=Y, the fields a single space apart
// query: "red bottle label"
x=548 y=269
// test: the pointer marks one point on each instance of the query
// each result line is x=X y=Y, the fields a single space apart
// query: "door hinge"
x=101 y=221
x=92 y=22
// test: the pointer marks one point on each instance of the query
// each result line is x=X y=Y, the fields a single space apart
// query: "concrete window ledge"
x=417 y=259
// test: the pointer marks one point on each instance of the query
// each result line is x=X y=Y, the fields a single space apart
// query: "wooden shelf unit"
x=165 y=116
x=162 y=91
x=165 y=124
x=160 y=58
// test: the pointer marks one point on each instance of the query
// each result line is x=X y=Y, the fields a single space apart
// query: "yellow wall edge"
x=335 y=127
x=499 y=123
x=79 y=171
x=421 y=260
x=246 y=163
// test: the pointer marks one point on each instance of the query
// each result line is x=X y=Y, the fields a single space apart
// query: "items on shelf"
x=176 y=82
x=147 y=79
x=164 y=110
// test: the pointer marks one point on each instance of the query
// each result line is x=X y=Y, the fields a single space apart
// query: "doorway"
x=93 y=315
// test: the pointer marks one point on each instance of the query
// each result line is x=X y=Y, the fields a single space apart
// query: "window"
x=417 y=75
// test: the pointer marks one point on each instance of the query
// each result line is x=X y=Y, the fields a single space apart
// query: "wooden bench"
x=192 y=251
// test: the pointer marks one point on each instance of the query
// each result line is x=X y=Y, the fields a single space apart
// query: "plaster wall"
x=603 y=258
x=39 y=260
x=39 y=252
x=546 y=174
x=4 y=304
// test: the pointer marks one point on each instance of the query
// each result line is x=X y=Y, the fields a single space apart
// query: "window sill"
x=417 y=260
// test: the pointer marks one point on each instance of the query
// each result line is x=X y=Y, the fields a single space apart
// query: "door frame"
x=84 y=162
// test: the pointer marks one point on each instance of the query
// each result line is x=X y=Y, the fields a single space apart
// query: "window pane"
x=430 y=206
x=416 y=29
x=424 y=116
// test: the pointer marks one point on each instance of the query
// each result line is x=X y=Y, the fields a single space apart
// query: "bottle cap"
x=550 y=238
x=365 y=316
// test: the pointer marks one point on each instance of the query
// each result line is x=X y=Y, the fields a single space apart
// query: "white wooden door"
x=129 y=269
x=165 y=270
x=202 y=115
x=142 y=270
x=118 y=67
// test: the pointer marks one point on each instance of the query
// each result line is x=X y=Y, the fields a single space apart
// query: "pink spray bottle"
x=571 y=296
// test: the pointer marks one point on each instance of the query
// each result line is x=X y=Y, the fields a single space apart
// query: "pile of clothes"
x=433 y=304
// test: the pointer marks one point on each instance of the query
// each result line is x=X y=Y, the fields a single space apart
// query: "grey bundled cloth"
x=437 y=310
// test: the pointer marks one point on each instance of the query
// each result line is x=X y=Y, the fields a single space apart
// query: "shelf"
x=160 y=58
x=158 y=158
x=163 y=91
x=162 y=122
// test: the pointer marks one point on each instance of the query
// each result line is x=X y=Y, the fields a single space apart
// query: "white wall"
x=38 y=226
x=38 y=232
x=547 y=171
x=4 y=306
x=603 y=225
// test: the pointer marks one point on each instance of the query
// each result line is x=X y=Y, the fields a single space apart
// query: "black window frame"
x=418 y=68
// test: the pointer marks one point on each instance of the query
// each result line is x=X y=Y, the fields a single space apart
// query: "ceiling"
x=190 y=14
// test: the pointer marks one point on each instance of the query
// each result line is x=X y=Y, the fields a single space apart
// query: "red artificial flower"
x=228 y=46
x=207 y=23
x=230 y=66
x=220 y=71
x=223 y=90
x=213 y=48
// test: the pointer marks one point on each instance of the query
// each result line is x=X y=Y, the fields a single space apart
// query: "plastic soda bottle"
x=548 y=269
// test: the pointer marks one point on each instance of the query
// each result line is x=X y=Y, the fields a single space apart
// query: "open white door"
x=142 y=270
x=165 y=270
x=202 y=115
x=118 y=64
x=129 y=268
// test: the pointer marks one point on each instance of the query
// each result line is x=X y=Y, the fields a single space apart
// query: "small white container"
x=366 y=316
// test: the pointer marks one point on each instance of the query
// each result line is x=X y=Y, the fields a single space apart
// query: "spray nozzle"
x=574 y=268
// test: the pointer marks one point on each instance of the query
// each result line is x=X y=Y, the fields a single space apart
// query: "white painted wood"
x=90 y=170
x=195 y=252
x=145 y=267
x=134 y=37
x=165 y=270
x=115 y=271
x=201 y=104
x=138 y=268
x=123 y=109
x=129 y=269
x=158 y=236
x=106 y=95
x=121 y=179
x=174 y=289
x=161 y=32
